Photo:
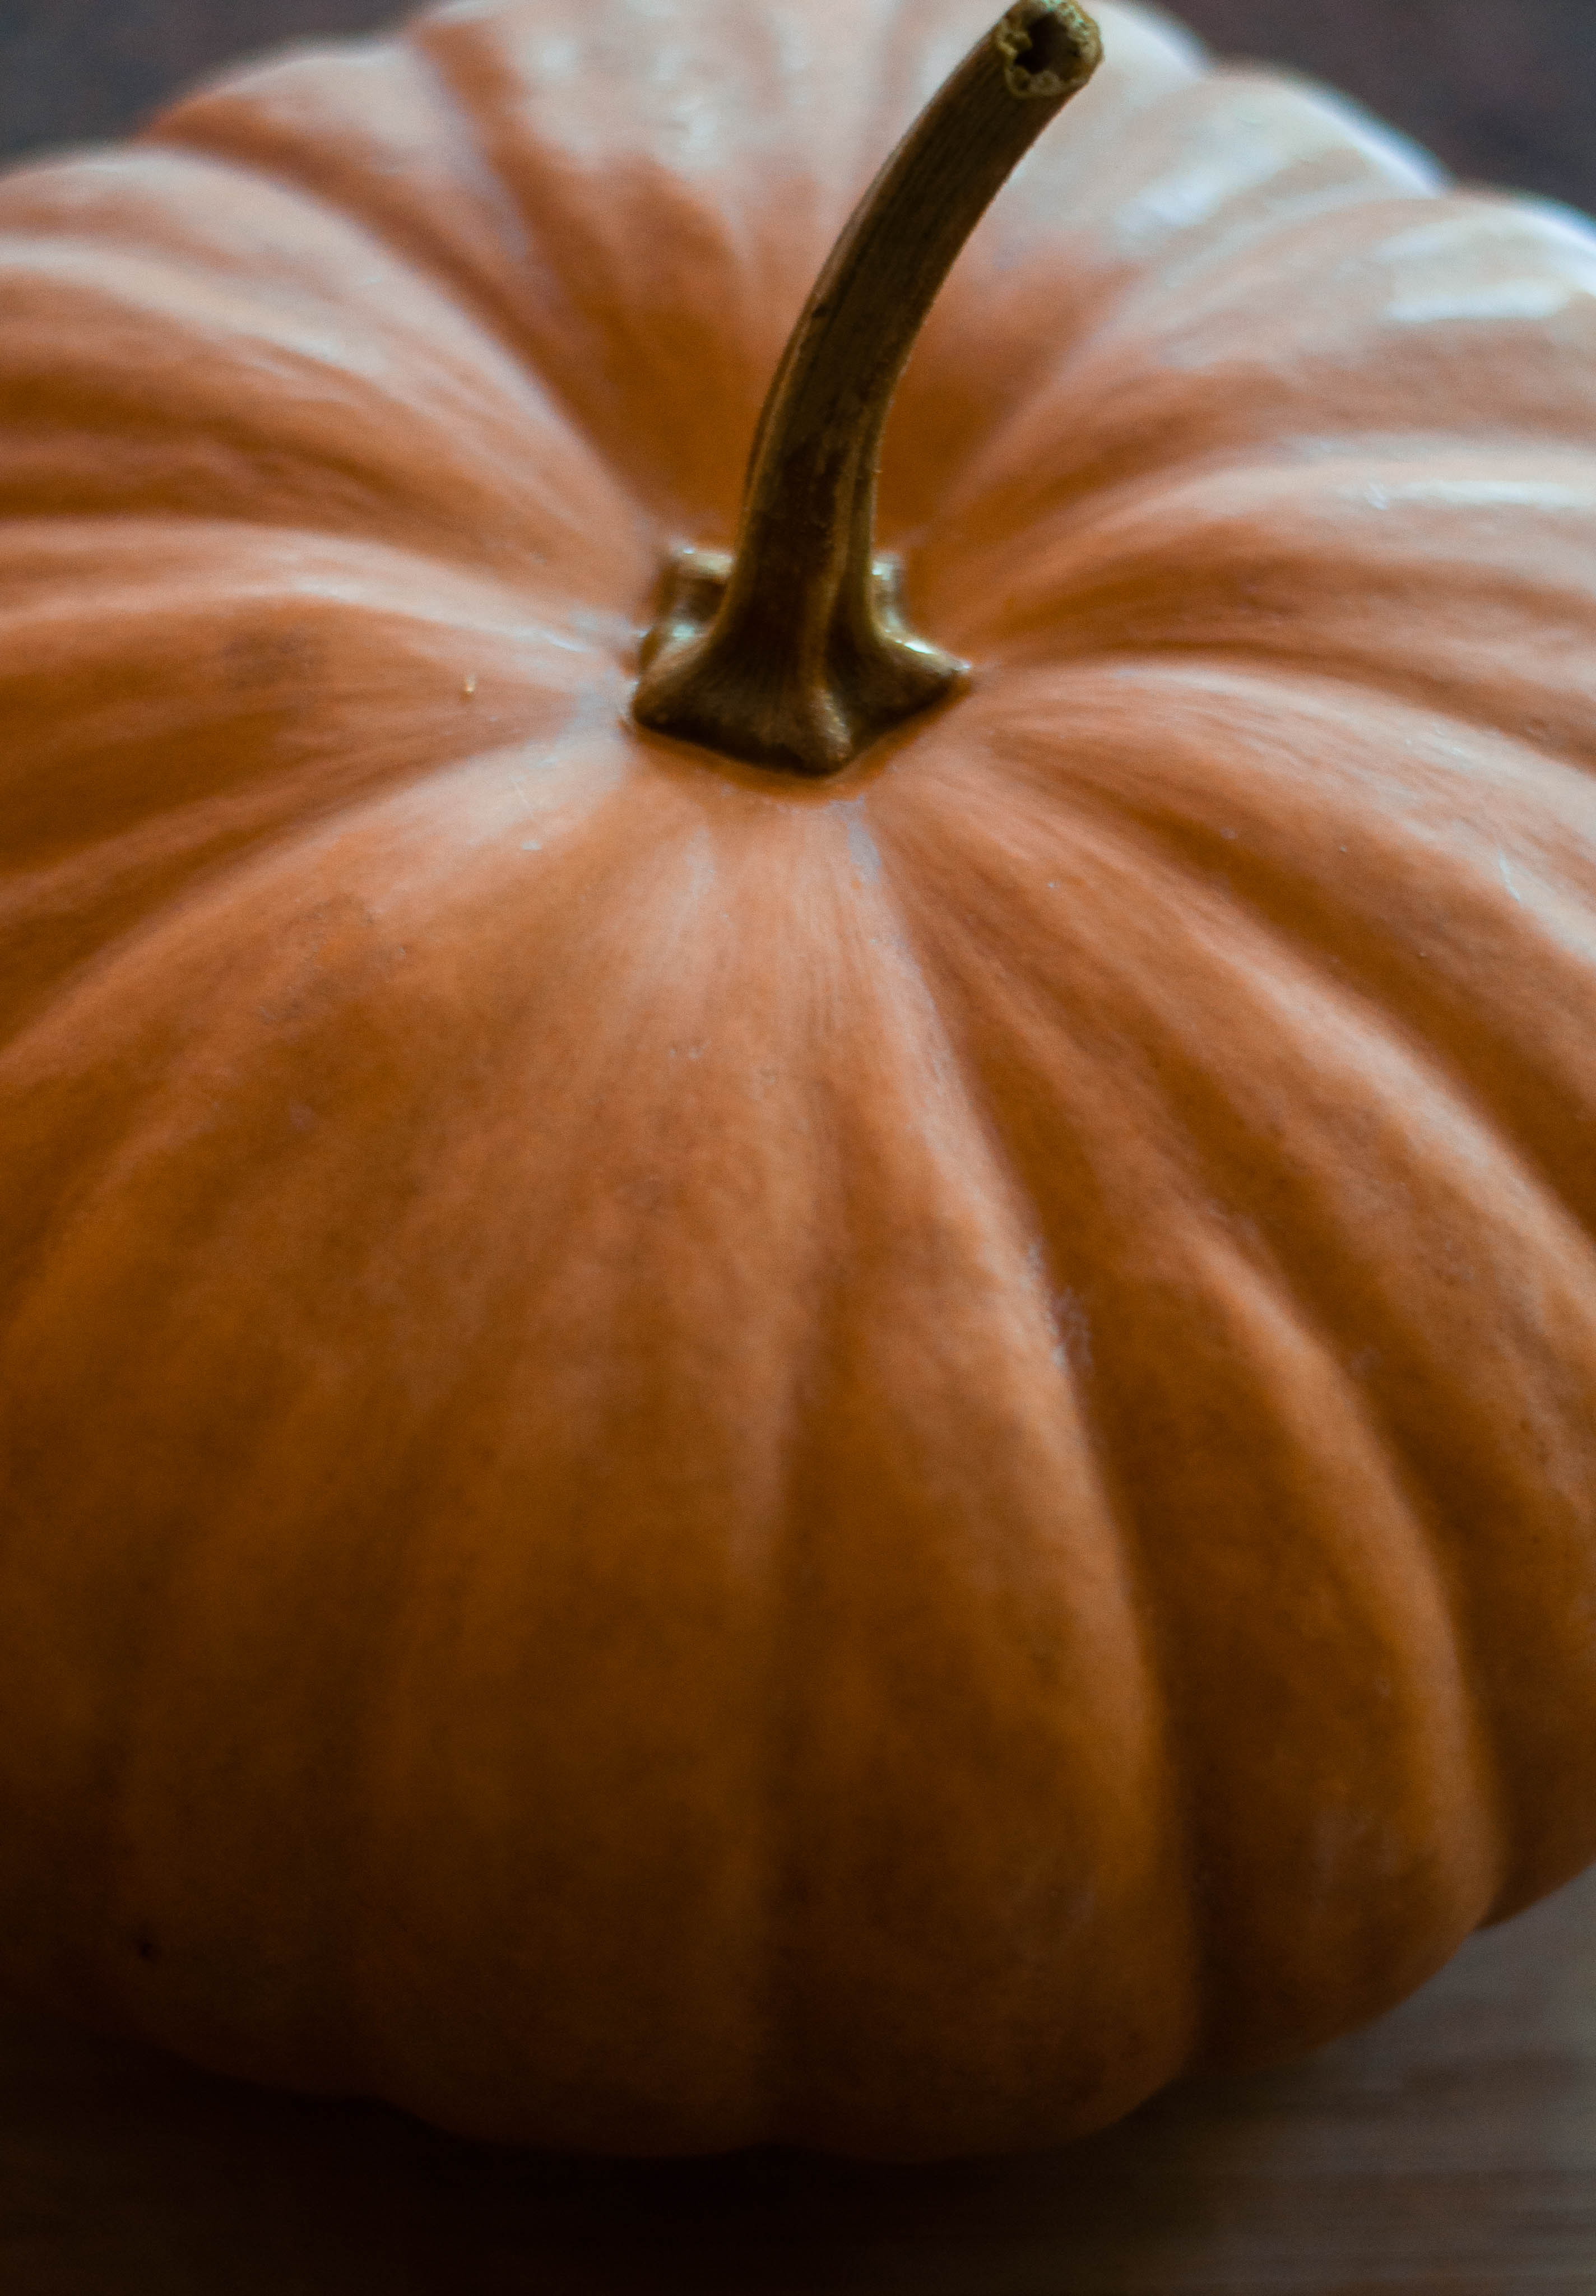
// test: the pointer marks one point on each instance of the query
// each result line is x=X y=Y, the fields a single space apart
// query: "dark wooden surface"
x=1448 y=2151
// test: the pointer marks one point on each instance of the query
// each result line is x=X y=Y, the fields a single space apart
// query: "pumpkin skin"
x=691 y=1459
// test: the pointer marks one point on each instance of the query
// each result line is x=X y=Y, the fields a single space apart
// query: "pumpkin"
x=694 y=1453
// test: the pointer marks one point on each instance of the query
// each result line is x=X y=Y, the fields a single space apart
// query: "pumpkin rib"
x=1122 y=1469
x=1000 y=542
x=173 y=367
x=249 y=902
x=1444 y=224
x=1563 y=774
x=623 y=204
x=221 y=117
x=1417 y=698
x=943 y=411
x=166 y=197
x=1183 y=234
x=1165 y=385
x=1126 y=230
x=219 y=122
x=1517 y=1869
x=1254 y=236
x=1374 y=1009
x=1202 y=234
x=1133 y=1546
x=715 y=234
x=809 y=2003
x=1229 y=1999
x=1572 y=1253
x=281 y=119
x=1486 y=548
x=1232 y=2002
x=1566 y=767
x=285 y=642
x=84 y=1026
x=570 y=65
x=46 y=564
x=1300 y=1289
x=456 y=155
x=1348 y=922
x=388 y=2058
x=1240 y=1983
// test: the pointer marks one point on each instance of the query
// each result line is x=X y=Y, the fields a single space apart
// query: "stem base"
x=750 y=696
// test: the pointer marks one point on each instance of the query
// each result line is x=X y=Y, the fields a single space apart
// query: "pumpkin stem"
x=791 y=652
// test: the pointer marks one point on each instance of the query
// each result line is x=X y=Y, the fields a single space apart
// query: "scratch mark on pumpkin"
x=1507 y=876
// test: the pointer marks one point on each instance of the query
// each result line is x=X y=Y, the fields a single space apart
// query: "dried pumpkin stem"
x=791 y=651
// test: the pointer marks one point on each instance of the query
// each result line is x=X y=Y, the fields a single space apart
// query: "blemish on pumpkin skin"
x=278 y=657
x=1073 y=1349
x=862 y=849
x=1066 y=1312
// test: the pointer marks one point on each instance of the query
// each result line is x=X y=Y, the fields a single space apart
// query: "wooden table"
x=1450 y=2150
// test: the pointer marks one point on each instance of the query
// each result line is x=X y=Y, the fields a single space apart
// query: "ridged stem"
x=791 y=651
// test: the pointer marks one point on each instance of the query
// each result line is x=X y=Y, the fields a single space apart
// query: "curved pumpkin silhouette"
x=689 y=1458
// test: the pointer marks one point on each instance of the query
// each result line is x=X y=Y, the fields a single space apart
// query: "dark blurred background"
x=1503 y=90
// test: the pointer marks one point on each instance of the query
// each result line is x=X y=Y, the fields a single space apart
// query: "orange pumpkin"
x=691 y=1456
